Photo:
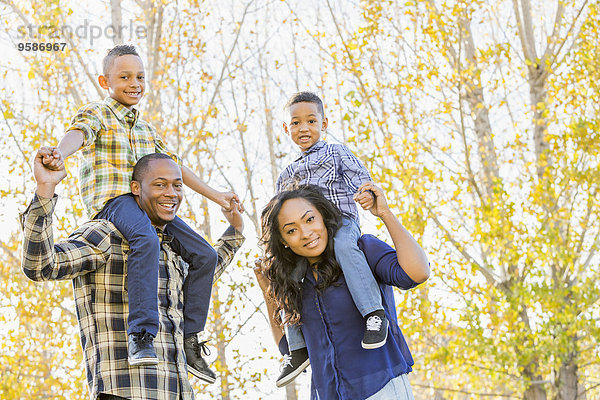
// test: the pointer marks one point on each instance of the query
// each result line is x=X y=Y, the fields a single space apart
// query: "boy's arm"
x=354 y=175
x=82 y=131
x=224 y=199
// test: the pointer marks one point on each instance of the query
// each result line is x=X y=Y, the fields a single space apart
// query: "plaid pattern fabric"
x=94 y=257
x=114 y=139
x=333 y=168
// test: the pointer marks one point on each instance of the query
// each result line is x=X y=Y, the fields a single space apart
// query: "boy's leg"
x=361 y=283
x=359 y=278
x=142 y=275
x=294 y=335
x=202 y=260
x=142 y=261
x=297 y=360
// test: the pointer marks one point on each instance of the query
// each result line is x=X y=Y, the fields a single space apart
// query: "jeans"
x=360 y=280
x=398 y=389
x=142 y=266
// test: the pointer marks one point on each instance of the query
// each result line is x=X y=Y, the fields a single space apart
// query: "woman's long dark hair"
x=281 y=260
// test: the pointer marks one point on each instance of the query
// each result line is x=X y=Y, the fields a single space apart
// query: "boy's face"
x=125 y=80
x=306 y=124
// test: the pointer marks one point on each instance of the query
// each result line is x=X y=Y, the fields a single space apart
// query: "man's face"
x=125 y=80
x=160 y=191
x=306 y=124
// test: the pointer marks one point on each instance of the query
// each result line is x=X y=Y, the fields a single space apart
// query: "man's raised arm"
x=42 y=259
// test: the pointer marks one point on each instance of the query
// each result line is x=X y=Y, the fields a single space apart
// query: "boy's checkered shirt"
x=115 y=138
x=333 y=168
x=94 y=257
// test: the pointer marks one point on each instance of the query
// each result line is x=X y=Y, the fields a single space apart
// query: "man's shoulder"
x=99 y=232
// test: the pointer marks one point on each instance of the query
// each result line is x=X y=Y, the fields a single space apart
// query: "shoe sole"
x=143 y=361
x=200 y=375
x=371 y=346
x=289 y=378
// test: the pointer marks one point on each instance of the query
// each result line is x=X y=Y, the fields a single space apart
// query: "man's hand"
x=229 y=201
x=46 y=178
x=53 y=159
x=234 y=216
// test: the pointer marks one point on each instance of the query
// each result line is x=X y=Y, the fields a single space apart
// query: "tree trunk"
x=117 y=20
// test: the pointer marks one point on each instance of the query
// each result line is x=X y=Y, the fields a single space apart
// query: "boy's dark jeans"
x=142 y=266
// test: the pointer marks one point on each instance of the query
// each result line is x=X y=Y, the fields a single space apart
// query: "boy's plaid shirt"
x=115 y=138
x=95 y=258
x=333 y=168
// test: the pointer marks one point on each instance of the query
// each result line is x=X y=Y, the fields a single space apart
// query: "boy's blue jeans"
x=142 y=266
x=359 y=277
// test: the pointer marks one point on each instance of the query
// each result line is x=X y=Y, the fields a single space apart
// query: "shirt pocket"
x=324 y=168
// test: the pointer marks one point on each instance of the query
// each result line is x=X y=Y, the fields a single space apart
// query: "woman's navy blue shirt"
x=333 y=329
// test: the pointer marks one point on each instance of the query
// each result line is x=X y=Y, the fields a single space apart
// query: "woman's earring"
x=286 y=246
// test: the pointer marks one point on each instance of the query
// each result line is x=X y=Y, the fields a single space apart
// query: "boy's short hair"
x=117 y=51
x=306 y=97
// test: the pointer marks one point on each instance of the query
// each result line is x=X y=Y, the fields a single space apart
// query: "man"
x=95 y=258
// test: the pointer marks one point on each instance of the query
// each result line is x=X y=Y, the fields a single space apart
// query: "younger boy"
x=113 y=137
x=339 y=174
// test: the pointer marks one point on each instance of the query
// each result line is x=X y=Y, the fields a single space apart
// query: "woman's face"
x=302 y=229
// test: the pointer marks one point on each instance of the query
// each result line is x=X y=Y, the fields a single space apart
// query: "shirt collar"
x=122 y=113
x=317 y=146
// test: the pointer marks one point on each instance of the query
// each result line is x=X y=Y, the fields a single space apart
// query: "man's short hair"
x=117 y=51
x=306 y=97
x=141 y=167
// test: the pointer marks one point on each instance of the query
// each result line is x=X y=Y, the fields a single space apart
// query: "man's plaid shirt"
x=115 y=138
x=95 y=258
x=333 y=168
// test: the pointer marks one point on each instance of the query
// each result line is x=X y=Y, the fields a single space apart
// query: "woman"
x=306 y=282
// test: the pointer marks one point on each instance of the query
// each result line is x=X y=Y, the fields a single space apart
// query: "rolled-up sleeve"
x=87 y=121
x=383 y=261
x=226 y=247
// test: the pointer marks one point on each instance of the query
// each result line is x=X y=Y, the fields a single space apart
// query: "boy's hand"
x=365 y=197
x=234 y=216
x=52 y=159
x=380 y=205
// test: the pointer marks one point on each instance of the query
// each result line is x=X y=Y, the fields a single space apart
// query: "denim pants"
x=398 y=389
x=142 y=266
x=359 y=278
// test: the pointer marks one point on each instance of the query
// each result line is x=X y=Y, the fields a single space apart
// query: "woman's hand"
x=379 y=206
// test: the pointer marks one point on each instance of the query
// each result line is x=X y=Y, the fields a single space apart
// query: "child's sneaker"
x=196 y=364
x=140 y=349
x=376 y=330
x=293 y=364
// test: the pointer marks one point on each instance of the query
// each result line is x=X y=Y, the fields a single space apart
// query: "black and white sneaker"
x=140 y=349
x=376 y=330
x=195 y=363
x=293 y=364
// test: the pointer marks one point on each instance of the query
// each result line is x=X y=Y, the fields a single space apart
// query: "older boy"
x=113 y=137
x=339 y=174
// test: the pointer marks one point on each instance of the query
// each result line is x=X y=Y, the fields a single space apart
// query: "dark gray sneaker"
x=195 y=363
x=293 y=364
x=376 y=330
x=140 y=349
